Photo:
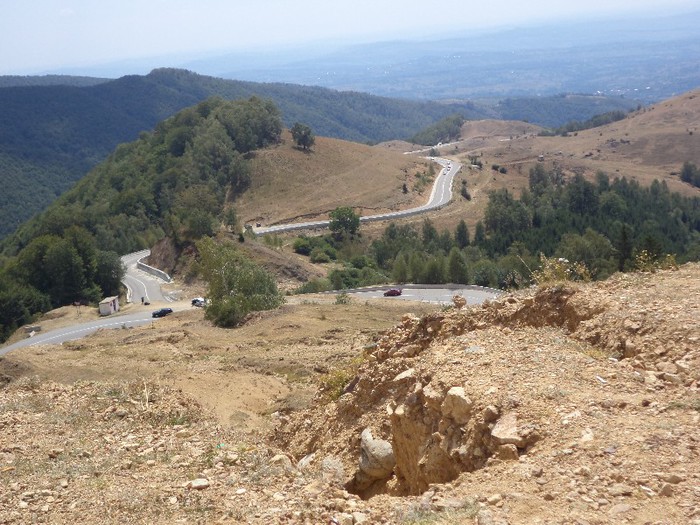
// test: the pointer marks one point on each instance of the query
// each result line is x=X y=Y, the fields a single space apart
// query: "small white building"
x=109 y=305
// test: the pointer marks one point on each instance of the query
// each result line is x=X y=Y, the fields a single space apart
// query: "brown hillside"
x=562 y=405
x=649 y=144
x=293 y=185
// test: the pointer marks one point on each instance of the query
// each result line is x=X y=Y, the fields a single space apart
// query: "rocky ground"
x=567 y=404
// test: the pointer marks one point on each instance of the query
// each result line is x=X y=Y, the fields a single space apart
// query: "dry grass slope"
x=560 y=405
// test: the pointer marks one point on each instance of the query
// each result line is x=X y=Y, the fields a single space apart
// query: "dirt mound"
x=568 y=404
x=580 y=400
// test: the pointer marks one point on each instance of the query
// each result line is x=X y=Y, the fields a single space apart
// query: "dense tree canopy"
x=445 y=130
x=177 y=181
x=604 y=224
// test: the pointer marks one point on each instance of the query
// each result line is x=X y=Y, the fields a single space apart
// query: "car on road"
x=199 y=301
x=392 y=292
x=162 y=312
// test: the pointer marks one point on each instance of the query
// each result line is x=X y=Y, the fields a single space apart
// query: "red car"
x=393 y=292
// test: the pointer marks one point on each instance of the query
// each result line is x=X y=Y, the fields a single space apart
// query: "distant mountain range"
x=53 y=130
x=648 y=59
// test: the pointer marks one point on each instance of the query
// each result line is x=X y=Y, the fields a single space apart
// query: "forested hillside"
x=51 y=135
x=587 y=229
x=174 y=181
x=49 y=80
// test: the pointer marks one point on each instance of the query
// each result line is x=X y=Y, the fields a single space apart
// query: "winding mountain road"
x=146 y=284
x=440 y=196
x=139 y=284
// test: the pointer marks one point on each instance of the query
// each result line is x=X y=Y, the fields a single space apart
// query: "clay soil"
x=580 y=404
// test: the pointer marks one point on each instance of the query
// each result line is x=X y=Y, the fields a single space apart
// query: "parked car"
x=393 y=292
x=162 y=312
x=199 y=301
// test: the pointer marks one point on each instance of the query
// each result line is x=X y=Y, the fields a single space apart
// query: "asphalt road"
x=140 y=283
x=439 y=294
x=441 y=195
x=69 y=333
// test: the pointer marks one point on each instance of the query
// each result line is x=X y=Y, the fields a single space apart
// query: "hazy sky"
x=37 y=36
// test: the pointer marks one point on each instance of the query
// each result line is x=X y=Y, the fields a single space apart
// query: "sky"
x=42 y=36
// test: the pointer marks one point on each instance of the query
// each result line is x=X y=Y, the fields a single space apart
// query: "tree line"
x=606 y=225
x=178 y=181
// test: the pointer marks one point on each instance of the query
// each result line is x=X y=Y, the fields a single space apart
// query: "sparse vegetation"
x=342 y=298
x=333 y=384
x=554 y=271
x=422 y=516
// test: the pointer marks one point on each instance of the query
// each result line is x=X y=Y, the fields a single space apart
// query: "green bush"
x=237 y=286
x=317 y=255
x=302 y=245
x=314 y=286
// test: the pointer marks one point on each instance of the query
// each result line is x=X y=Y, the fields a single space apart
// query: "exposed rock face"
x=548 y=399
x=506 y=431
x=457 y=405
x=437 y=435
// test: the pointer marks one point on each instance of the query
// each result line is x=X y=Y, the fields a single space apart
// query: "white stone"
x=505 y=432
x=199 y=484
x=377 y=460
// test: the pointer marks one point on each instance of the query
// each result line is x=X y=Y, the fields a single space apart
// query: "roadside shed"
x=109 y=305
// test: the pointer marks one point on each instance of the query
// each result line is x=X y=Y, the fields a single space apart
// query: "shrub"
x=334 y=383
x=645 y=261
x=342 y=298
x=314 y=286
x=237 y=286
x=553 y=270
x=302 y=245
x=318 y=255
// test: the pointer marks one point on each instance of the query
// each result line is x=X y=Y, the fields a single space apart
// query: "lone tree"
x=303 y=136
x=344 y=222
x=236 y=285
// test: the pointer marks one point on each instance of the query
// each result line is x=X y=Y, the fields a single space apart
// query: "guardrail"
x=153 y=271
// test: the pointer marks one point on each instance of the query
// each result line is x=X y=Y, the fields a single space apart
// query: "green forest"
x=606 y=225
x=175 y=182
x=53 y=130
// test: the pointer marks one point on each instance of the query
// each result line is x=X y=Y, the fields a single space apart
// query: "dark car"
x=393 y=292
x=162 y=312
